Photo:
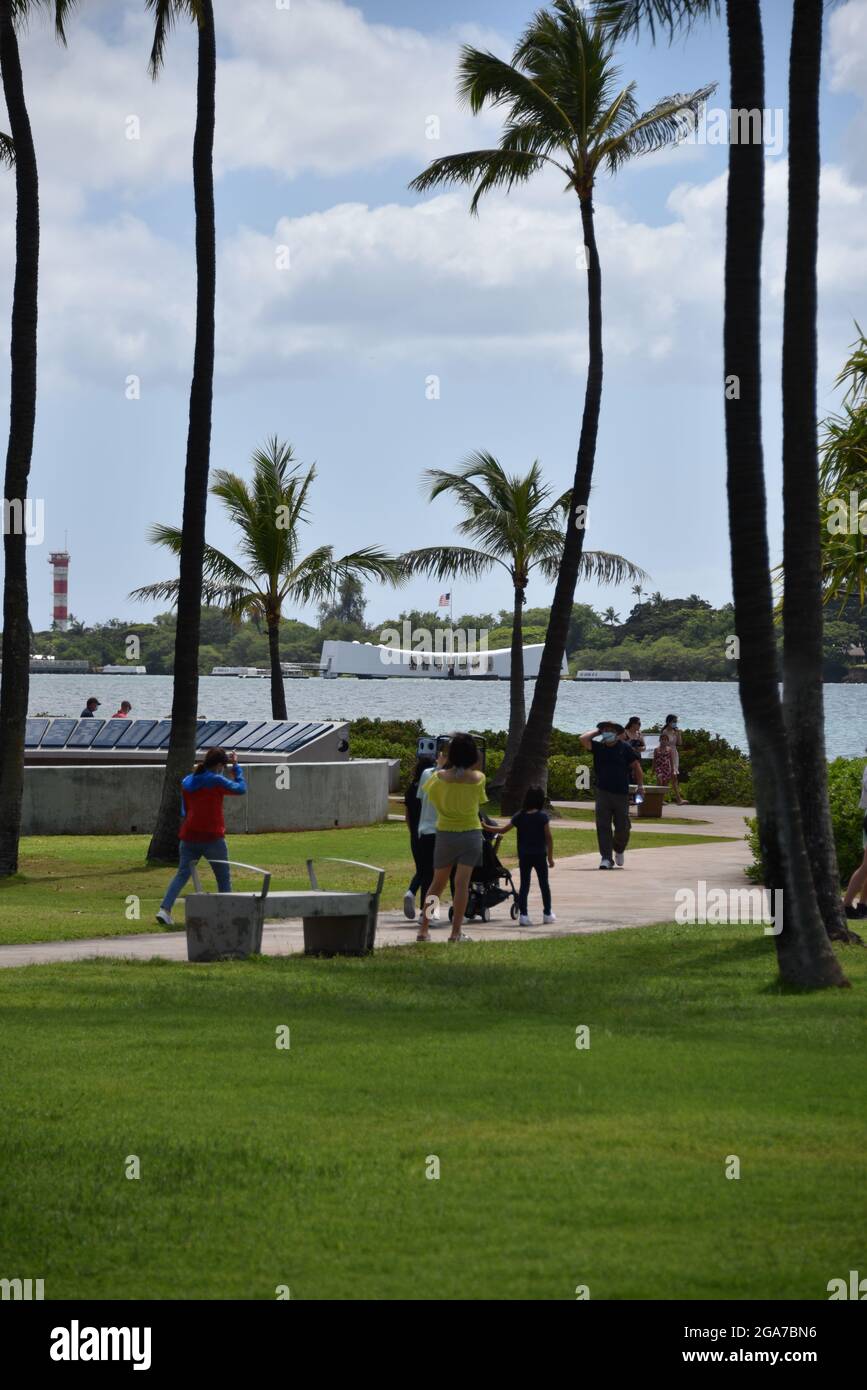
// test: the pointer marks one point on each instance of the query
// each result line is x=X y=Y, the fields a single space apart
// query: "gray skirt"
x=457 y=847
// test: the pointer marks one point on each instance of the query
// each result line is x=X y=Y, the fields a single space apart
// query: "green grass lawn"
x=78 y=886
x=558 y=1167
x=588 y=813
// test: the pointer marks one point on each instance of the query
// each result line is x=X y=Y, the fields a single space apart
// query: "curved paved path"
x=585 y=900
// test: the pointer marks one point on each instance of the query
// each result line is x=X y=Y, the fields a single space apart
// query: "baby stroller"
x=487 y=885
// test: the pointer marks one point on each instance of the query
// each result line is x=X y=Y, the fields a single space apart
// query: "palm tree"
x=804 y=954
x=268 y=513
x=803 y=697
x=514 y=524
x=565 y=112
x=17 y=150
x=610 y=617
x=185 y=693
x=638 y=591
x=843 y=472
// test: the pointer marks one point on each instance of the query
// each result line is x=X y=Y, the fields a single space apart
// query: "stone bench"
x=336 y=922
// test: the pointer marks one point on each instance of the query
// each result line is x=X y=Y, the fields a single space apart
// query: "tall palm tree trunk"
x=15 y=683
x=531 y=761
x=804 y=954
x=182 y=745
x=278 y=689
x=803 y=697
x=517 y=707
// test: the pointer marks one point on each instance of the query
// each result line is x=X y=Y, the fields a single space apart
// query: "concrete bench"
x=336 y=922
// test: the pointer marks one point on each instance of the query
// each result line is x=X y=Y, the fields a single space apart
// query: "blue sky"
x=321 y=125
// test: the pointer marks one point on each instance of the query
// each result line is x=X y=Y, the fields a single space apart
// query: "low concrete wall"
x=125 y=800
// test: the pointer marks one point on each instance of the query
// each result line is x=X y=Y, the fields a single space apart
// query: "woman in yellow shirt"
x=457 y=791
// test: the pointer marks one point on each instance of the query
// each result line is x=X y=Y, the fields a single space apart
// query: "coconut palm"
x=566 y=111
x=843 y=477
x=803 y=951
x=515 y=524
x=638 y=591
x=610 y=617
x=17 y=149
x=268 y=514
x=185 y=690
x=803 y=648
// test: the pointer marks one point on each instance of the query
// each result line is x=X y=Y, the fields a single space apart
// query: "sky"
x=323 y=118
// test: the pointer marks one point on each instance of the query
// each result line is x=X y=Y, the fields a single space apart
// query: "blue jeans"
x=191 y=852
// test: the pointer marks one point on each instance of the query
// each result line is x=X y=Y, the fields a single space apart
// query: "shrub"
x=844 y=793
x=380 y=748
x=722 y=782
x=493 y=760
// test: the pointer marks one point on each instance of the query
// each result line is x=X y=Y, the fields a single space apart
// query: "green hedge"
x=722 y=772
x=844 y=793
x=722 y=782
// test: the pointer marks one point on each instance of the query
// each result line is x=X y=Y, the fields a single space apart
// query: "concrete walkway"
x=585 y=900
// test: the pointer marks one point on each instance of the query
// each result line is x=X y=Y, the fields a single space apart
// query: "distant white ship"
x=121 y=670
x=290 y=673
x=602 y=676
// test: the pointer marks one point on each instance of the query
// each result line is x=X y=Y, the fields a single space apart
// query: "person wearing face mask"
x=675 y=739
x=616 y=764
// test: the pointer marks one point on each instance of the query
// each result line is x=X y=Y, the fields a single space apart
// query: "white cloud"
x=315 y=88
x=847 y=32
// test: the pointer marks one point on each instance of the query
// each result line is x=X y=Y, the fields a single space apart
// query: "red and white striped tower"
x=59 y=561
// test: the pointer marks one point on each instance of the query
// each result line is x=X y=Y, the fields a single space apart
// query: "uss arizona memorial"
x=381 y=661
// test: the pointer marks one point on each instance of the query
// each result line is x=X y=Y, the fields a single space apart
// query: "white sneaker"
x=605 y=864
x=548 y=918
x=432 y=903
x=618 y=859
x=409 y=905
x=524 y=921
x=164 y=918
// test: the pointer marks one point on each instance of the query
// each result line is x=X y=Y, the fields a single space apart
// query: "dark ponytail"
x=212 y=759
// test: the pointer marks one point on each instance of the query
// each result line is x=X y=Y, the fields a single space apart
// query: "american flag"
x=445 y=600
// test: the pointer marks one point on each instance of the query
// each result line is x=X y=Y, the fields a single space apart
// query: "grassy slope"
x=77 y=886
x=558 y=1167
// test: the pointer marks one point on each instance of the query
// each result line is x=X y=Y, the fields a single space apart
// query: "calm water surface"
x=445 y=705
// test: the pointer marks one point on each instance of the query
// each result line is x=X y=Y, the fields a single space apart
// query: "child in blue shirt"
x=535 y=852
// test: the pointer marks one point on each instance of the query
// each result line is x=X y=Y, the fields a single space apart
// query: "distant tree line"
x=660 y=639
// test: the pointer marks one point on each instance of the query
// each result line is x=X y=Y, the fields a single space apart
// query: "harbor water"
x=446 y=705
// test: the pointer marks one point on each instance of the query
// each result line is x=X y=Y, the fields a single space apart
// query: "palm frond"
x=484 y=78
x=7 y=150
x=655 y=129
x=599 y=566
x=447 y=562
x=624 y=18
x=166 y=14
x=489 y=169
x=855 y=370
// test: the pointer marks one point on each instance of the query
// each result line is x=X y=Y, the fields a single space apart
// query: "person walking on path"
x=124 y=711
x=427 y=834
x=457 y=791
x=412 y=812
x=675 y=739
x=535 y=852
x=615 y=765
x=663 y=765
x=203 y=828
x=89 y=711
